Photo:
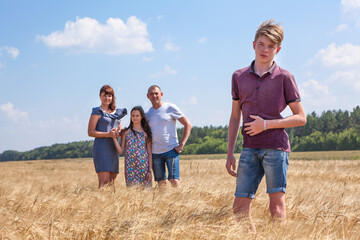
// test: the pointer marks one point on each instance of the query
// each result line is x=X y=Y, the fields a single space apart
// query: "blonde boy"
x=260 y=92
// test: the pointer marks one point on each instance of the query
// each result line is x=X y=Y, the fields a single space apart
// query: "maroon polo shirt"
x=266 y=96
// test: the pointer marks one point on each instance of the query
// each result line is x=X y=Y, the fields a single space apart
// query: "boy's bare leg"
x=277 y=206
x=241 y=209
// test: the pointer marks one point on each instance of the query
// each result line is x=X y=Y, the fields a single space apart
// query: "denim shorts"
x=254 y=163
x=171 y=159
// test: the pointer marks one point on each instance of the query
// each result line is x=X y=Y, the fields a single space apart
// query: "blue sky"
x=55 y=56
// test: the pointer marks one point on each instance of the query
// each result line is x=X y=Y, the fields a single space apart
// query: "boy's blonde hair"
x=271 y=30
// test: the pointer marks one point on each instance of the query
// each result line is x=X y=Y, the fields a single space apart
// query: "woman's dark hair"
x=109 y=90
x=144 y=123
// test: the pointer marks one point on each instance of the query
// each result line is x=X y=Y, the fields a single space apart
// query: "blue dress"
x=105 y=155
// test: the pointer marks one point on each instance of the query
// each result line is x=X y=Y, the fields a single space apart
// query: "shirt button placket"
x=258 y=83
x=257 y=87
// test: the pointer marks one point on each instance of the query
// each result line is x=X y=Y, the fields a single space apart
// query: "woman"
x=102 y=120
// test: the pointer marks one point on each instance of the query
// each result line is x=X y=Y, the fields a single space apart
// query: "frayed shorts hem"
x=275 y=190
x=245 y=195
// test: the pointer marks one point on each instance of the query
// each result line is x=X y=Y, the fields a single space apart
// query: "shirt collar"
x=270 y=71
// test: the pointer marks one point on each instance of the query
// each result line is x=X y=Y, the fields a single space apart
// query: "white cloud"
x=202 y=40
x=169 y=46
x=337 y=83
x=169 y=71
x=159 y=17
x=190 y=101
x=317 y=95
x=348 y=78
x=88 y=35
x=350 y=5
x=340 y=28
x=351 y=10
x=165 y=72
x=193 y=100
x=11 y=51
x=212 y=117
x=308 y=74
x=346 y=55
x=25 y=133
x=61 y=124
x=14 y=114
x=315 y=86
x=147 y=59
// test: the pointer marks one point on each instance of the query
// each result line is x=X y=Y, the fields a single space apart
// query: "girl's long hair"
x=144 y=124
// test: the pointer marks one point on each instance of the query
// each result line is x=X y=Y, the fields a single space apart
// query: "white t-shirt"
x=162 y=122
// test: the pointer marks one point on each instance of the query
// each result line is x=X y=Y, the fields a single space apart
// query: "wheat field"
x=59 y=199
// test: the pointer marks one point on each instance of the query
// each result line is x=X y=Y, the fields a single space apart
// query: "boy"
x=260 y=92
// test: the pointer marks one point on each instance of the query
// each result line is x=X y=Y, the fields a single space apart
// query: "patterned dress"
x=136 y=159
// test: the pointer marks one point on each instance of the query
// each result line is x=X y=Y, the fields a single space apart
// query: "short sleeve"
x=175 y=111
x=234 y=88
x=96 y=111
x=291 y=90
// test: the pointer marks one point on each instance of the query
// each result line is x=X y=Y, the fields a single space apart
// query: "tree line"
x=331 y=130
x=82 y=149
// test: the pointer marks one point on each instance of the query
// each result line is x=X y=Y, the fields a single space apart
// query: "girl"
x=136 y=142
x=102 y=120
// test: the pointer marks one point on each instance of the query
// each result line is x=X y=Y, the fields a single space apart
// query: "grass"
x=59 y=199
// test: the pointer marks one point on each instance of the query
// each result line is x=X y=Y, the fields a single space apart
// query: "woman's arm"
x=92 y=128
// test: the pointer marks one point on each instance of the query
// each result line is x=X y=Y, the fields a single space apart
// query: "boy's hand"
x=231 y=165
x=254 y=127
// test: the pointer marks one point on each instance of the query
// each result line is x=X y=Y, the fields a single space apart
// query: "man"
x=260 y=92
x=162 y=119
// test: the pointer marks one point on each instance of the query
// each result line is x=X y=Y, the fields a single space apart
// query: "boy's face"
x=265 y=49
